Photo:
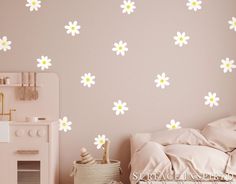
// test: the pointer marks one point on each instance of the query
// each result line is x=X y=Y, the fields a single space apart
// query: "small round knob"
x=41 y=133
x=32 y=133
x=19 y=132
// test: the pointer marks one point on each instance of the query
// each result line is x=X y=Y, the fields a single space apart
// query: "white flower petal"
x=120 y=48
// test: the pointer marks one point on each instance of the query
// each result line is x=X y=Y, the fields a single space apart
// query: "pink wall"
x=194 y=70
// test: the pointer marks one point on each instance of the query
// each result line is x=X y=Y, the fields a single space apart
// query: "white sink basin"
x=4 y=131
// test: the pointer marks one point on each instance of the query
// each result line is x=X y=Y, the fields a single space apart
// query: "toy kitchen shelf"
x=18 y=85
x=28 y=172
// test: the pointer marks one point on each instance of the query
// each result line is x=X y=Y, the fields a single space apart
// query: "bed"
x=185 y=155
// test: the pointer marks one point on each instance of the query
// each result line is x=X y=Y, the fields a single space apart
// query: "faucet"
x=9 y=114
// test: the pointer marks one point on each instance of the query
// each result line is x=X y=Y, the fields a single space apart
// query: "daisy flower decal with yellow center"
x=211 y=99
x=88 y=80
x=5 y=44
x=72 y=28
x=232 y=23
x=100 y=140
x=227 y=65
x=34 y=5
x=120 y=48
x=44 y=62
x=173 y=125
x=194 y=5
x=65 y=125
x=162 y=81
x=128 y=6
x=120 y=107
x=181 y=39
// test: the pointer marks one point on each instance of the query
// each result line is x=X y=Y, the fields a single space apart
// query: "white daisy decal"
x=72 y=28
x=88 y=80
x=34 y=5
x=181 y=39
x=194 y=5
x=5 y=44
x=65 y=125
x=100 y=140
x=173 y=125
x=120 y=48
x=128 y=7
x=232 y=23
x=162 y=81
x=227 y=65
x=44 y=62
x=120 y=107
x=211 y=99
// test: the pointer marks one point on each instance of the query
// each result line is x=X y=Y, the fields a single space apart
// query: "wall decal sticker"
x=73 y=28
x=194 y=5
x=120 y=107
x=211 y=99
x=232 y=23
x=162 y=81
x=181 y=39
x=88 y=80
x=34 y=5
x=120 y=48
x=173 y=125
x=5 y=44
x=128 y=7
x=227 y=65
x=65 y=125
x=44 y=62
x=100 y=140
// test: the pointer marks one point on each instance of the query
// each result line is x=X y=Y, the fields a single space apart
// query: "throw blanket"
x=186 y=154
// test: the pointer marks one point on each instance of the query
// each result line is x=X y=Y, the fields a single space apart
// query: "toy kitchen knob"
x=20 y=132
x=32 y=133
x=41 y=133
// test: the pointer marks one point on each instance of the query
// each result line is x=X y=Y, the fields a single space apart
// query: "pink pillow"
x=222 y=133
x=179 y=136
x=226 y=123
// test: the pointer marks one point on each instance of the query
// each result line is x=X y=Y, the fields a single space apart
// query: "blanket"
x=186 y=154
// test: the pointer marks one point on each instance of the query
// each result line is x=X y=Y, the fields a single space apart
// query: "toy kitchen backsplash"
x=29 y=96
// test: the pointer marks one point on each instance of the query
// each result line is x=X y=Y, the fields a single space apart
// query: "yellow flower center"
x=4 y=43
x=88 y=79
x=44 y=62
x=102 y=141
x=228 y=65
x=181 y=39
x=64 y=124
x=73 y=28
x=212 y=99
x=235 y=23
x=33 y=3
x=173 y=126
x=120 y=47
x=128 y=6
x=120 y=107
x=162 y=81
x=194 y=3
